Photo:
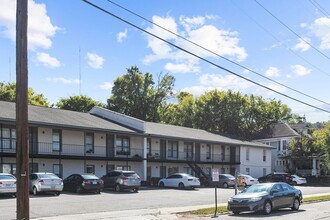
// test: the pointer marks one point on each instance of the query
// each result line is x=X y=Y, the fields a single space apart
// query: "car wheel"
x=267 y=208
x=294 y=183
x=136 y=190
x=117 y=188
x=181 y=186
x=161 y=185
x=14 y=195
x=225 y=185
x=35 y=191
x=57 y=193
x=78 y=189
x=236 y=212
x=296 y=204
x=98 y=191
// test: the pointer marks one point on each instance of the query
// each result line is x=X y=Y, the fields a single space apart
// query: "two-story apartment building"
x=66 y=142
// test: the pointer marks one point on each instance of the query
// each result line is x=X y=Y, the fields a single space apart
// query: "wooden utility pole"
x=22 y=150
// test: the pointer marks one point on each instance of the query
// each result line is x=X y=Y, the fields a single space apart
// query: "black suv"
x=276 y=177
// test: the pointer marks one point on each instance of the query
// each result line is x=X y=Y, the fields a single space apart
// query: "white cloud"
x=95 y=61
x=106 y=86
x=121 y=36
x=302 y=45
x=181 y=68
x=266 y=92
x=300 y=70
x=195 y=29
x=321 y=29
x=273 y=72
x=47 y=60
x=40 y=28
x=224 y=82
x=63 y=80
x=197 y=90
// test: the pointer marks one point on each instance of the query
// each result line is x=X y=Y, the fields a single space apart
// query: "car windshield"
x=7 y=177
x=88 y=176
x=258 y=188
x=47 y=176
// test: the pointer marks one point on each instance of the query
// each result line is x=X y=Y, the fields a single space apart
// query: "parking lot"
x=46 y=205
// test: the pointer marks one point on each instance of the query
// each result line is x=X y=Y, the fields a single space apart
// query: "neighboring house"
x=279 y=136
x=66 y=142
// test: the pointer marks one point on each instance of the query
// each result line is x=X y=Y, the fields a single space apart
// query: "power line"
x=233 y=62
x=292 y=31
x=286 y=46
x=318 y=6
x=201 y=58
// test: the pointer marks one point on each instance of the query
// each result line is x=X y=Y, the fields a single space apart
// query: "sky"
x=76 y=49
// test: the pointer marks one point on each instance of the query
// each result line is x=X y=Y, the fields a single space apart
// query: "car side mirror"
x=274 y=191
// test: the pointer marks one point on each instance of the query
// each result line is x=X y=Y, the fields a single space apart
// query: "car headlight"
x=256 y=199
x=230 y=200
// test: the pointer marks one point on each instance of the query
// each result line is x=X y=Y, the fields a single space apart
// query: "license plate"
x=94 y=182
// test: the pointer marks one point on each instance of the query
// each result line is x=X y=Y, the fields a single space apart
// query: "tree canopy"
x=8 y=93
x=80 y=103
x=137 y=95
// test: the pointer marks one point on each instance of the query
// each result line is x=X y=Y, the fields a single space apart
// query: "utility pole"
x=22 y=150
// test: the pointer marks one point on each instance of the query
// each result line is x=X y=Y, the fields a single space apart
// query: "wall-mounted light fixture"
x=101 y=137
x=101 y=165
x=43 y=164
x=43 y=132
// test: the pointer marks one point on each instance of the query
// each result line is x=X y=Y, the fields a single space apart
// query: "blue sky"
x=70 y=38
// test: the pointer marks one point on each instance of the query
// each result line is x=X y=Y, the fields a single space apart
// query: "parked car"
x=180 y=180
x=7 y=184
x=297 y=180
x=276 y=177
x=83 y=182
x=226 y=180
x=266 y=197
x=249 y=180
x=122 y=180
x=45 y=182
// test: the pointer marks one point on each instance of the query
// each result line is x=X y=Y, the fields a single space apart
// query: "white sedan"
x=249 y=180
x=180 y=180
x=297 y=180
x=7 y=184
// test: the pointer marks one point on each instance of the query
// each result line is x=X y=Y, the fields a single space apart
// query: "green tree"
x=135 y=94
x=322 y=141
x=8 y=93
x=79 y=103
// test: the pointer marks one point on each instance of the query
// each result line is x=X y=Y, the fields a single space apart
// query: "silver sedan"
x=7 y=184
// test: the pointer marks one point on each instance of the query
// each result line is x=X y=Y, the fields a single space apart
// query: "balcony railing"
x=42 y=148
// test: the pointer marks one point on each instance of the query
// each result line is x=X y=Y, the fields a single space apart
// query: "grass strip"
x=223 y=209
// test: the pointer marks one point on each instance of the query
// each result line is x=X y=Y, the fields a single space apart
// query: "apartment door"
x=197 y=152
x=110 y=145
x=163 y=149
x=232 y=154
x=33 y=140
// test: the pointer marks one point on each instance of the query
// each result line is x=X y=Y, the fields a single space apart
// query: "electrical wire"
x=201 y=58
x=318 y=6
x=292 y=31
x=214 y=53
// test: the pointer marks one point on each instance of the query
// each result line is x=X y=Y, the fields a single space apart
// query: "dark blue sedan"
x=266 y=197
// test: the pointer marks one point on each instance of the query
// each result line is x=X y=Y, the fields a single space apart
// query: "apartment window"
x=264 y=155
x=172 y=149
x=8 y=138
x=284 y=145
x=188 y=170
x=58 y=170
x=122 y=145
x=247 y=171
x=188 y=149
x=208 y=151
x=247 y=154
x=172 y=170
x=264 y=171
x=57 y=140
x=89 y=143
x=124 y=167
x=90 y=169
x=8 y=168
